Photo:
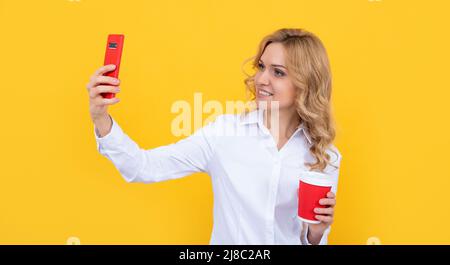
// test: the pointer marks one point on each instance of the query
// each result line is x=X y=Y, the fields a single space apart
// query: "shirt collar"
x=257 y=116
x=251 y=117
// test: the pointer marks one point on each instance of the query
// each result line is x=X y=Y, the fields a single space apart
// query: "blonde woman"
x=253 y=164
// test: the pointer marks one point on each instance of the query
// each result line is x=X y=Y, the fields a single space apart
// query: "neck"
x=288 y=121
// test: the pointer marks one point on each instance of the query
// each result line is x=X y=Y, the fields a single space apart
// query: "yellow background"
x=391 y=93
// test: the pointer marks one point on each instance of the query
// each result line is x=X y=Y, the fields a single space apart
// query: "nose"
x=262 y=78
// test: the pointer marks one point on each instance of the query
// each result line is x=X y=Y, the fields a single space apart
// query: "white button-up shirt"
x=255 y=185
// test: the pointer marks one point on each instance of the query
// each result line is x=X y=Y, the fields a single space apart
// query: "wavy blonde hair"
x=309 y=69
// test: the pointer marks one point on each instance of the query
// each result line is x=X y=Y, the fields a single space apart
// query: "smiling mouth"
x=265 y=93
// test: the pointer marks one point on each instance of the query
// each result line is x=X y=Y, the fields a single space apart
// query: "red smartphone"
x=113 y=54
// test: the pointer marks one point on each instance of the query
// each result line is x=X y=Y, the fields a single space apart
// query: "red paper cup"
x=313 y=186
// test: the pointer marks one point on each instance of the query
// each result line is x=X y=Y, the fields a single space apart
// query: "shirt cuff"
x=111 y=139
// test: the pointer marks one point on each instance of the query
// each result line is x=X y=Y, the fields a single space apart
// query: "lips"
x=265 y=93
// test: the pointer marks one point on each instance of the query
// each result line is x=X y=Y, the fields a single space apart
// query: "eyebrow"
x=279 y=65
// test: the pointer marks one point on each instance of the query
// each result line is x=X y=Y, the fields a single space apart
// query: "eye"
x=260 y=66
x=279 y=73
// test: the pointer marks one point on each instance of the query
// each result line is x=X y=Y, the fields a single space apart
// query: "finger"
x=324 y=218
x=331 y=195
x=103 y=89
x=329 y=202
x=105 y=80
x=109 y=101
x=100 y=80
x=104 y=69
x=326 y=211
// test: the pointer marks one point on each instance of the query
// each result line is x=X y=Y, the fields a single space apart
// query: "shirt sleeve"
x=189 y=155
x=332 y=169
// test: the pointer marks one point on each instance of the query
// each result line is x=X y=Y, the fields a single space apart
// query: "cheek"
x=257 y=75
x=286 y=93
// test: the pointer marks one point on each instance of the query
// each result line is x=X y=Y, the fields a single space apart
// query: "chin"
x=268 y=103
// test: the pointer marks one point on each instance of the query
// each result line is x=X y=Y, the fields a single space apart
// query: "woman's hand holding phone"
x=98 y=106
